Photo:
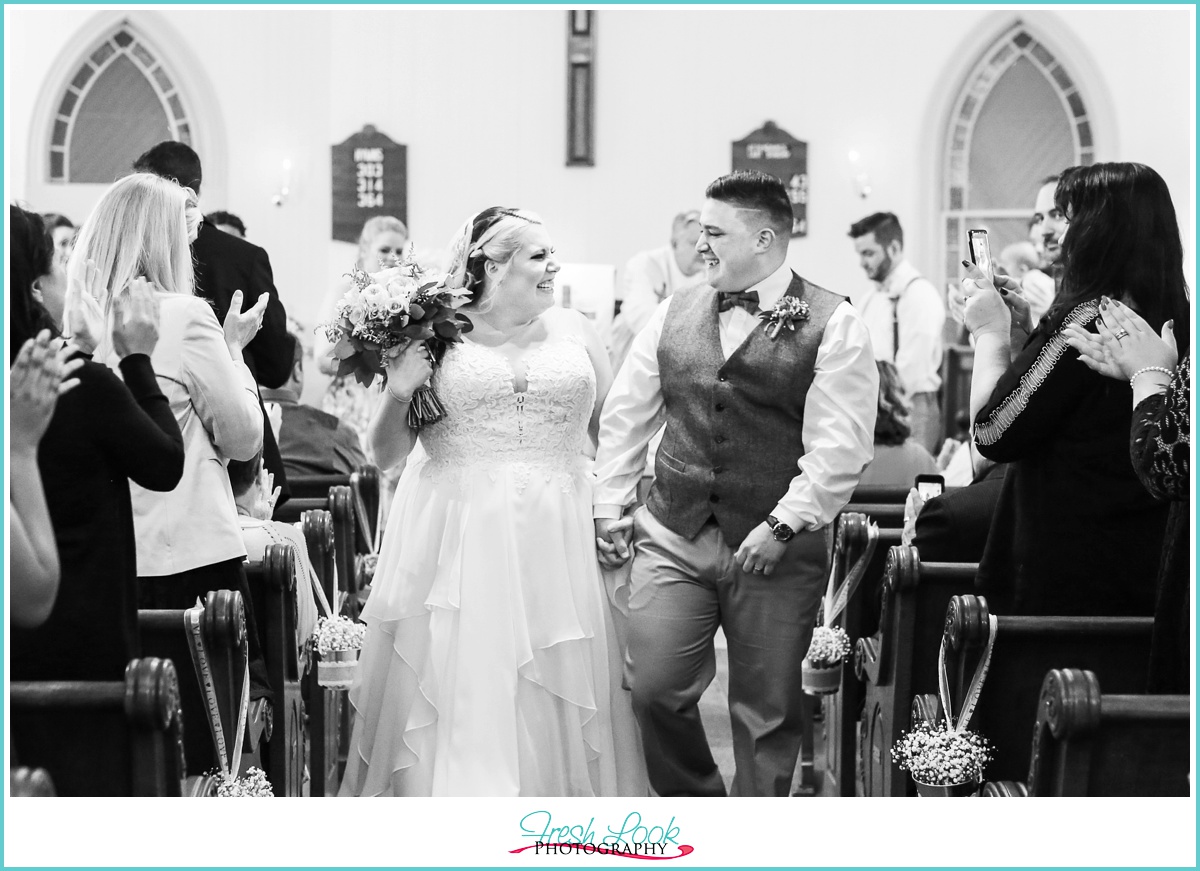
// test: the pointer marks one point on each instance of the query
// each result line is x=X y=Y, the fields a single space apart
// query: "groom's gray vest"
x=734 y=427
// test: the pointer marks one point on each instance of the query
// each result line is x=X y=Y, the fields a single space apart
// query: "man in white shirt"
x=905 y=314
x=651 y=276
x=768 y=426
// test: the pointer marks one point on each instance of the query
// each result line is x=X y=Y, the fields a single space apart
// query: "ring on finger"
x=1120 y=334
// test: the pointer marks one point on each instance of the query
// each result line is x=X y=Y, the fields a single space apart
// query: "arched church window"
x=1018 y=118
x=121 y=100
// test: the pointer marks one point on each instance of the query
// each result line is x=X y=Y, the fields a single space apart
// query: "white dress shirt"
x=839 y=412
x=921 y=313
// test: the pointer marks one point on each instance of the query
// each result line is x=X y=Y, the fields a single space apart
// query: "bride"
x=490 y=666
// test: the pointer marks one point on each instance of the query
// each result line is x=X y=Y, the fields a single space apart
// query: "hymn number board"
x=776 y=152
x=370 y=178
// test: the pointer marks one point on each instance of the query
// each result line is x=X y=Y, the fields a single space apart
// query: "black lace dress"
x=1159 y=443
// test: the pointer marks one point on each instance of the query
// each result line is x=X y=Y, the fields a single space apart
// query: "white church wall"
x=478 y=96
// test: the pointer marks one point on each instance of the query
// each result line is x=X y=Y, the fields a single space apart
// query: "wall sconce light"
x=285 y=183
x=862 y=181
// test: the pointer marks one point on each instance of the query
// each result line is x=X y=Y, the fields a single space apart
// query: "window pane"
x=81 y=77
x=123 y=39
x=120 y=118
x=103 y=53
x=1021 y=136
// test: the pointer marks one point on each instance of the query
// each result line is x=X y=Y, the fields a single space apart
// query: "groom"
x=766 y=437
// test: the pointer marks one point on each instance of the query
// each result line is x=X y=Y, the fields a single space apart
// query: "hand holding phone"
x=981 y=253
x=929 y=486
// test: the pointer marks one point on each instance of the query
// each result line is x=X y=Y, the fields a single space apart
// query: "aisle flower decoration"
x=936 y=755
x=337 y=641
x=253 y=784
x=385 y=311
x=821 y=670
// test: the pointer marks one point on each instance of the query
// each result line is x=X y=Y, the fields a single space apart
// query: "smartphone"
x=981 y=253
x=929 y=486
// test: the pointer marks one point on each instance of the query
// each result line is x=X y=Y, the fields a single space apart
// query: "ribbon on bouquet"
x=976 y=686
x=200 y=661
x=835 y=600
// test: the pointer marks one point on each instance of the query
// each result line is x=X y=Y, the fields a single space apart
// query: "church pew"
x=842 y=710
x=348 y=542
x=883 y=506
x=163 y=634
x=900 y=658
x=103 y=738
x=364 y=484
x=1115 y=648
x=30 y=783
x=322 y=705
x=1086 y=743
x=273 y=587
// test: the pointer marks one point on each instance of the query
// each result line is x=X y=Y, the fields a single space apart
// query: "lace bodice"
x=489 y=424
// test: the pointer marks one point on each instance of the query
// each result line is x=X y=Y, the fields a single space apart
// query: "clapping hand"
x=83 y=314
x=266 y=495
x=1124 y=343
x=135 y=319
x=241 y=327
x=40 y=374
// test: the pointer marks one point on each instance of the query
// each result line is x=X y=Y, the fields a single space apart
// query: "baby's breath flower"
x=939 y=756
x=253 y=784
x=829 y=646
x=338 y=633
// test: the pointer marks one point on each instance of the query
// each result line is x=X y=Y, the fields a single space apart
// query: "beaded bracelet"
x=1146 y=369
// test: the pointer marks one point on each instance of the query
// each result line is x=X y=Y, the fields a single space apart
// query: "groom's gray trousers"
x=680 y=591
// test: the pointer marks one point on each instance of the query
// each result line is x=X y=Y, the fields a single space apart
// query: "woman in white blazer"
x=188 y=539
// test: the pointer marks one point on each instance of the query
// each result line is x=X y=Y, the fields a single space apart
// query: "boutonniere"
x=787 y=311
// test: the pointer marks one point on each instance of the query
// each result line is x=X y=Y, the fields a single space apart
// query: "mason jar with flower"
x=338 y=641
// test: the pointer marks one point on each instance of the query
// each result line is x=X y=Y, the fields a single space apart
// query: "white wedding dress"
x=490 y=665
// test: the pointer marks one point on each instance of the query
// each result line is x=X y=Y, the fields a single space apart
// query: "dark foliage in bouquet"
x=383 y=312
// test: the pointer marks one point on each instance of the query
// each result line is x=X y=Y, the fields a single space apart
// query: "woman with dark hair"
x=489 y=665
x=103 y=434
x=1075 y=532
x=898 y=459
x=1159 y=447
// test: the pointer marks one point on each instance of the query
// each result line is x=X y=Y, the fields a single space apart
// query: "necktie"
x=747 y=299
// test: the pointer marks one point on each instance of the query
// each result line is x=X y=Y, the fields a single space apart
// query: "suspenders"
x=895 y=300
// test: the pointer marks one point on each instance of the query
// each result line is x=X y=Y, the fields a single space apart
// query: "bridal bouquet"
x=383 y=312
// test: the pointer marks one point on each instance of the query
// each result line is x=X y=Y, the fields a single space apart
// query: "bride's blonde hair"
x=492 y=235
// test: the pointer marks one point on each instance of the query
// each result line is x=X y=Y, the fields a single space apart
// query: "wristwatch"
x=781 y=531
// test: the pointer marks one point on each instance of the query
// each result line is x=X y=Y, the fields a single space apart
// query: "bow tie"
x=747 y=299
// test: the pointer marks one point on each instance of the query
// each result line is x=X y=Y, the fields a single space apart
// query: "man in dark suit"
x=311 y=442
x=225 y=263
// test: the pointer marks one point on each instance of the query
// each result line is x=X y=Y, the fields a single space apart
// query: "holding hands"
x=1124 y=345
x=40 y=374
x=612 y=541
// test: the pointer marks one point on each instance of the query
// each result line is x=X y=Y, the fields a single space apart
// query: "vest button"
x=714 y=498
x=722 y=378
x=720 y=406
x=718 y=470
x=719 y=439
